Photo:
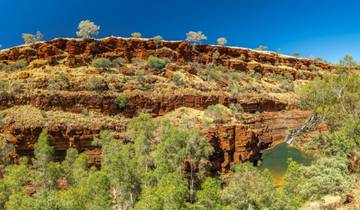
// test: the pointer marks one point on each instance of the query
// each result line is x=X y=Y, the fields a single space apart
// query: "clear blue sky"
x=325 y=28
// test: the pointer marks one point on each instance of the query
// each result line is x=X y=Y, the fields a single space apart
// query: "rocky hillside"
x=242 y=100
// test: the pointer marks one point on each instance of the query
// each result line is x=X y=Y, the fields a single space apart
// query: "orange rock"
x=23 y=75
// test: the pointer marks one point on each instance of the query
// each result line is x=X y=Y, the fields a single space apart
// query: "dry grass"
x=29 y=116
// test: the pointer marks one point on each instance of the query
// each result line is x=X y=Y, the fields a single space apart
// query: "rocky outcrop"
x=78 y=52
x=232 y=144
x=76 y=102
x=244 y=142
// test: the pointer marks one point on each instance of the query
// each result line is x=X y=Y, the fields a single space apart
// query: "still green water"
x=276 y=160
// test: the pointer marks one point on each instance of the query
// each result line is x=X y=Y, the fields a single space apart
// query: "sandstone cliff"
x=59 y=90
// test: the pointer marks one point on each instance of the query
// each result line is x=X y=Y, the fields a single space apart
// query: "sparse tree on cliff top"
x=136 y=35
x=157 y=40
x=195 y=37
x=222 y=41
x=262 y=48
x=32 y=38
x=87 y=29
x=296 y=54
x=348 y=62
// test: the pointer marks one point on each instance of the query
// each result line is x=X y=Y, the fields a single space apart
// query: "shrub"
x=313 y=67
x=287 y=86
x=221 y=41
x=19 y=64
x=118 y=62
x=121 y=101
x=97 y=84
x=87 y=29
x=195 y=37
x=102 y=63
x=213 y=72
x=254 y=74
x=31 y=39
x=215 y=56
x=233 y=88
x=156 y=62
x=4 y=85
x=136 y=35
x=327 y=175
x=236 y=107
x=348 y=62
x=177 y=79
x=289 y=76
x=218 y=112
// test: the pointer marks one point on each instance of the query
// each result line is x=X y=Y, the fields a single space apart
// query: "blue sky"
x=324 y=28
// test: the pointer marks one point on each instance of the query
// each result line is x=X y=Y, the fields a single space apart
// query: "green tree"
x=6 y=150
x=20 y=201
x=184 y=152
x=136 y=35
x=209 y=196
x=250 y=188
x=15 y=179
x=46 y=172
x=327 y=175
x=156 y=62
x=87 y=29
x=75 y=166
x=32 y=39
x=141 y=131
x=119 y=163
x=336 y=97
x=348 y=62
x=171 y=192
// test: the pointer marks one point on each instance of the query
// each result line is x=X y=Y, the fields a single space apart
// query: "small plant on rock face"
x=156 y=62
x=3 y=86
x=87 y=29
x=32 y=38
x=19 y=64
x=218 y=112
x=222 y=41
x=195 y=37
x=96 y=84
x=215 y=55
x=136 y=35
x=102 y=63
x=121 y=101
x=313 y=67
x=177 y=79
x=236 y=107
x=118 y=62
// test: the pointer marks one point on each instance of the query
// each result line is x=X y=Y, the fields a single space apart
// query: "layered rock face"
x=81 y=52
x=58 y=84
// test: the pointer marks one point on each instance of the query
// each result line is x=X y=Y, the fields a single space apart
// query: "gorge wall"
x=268 y=112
